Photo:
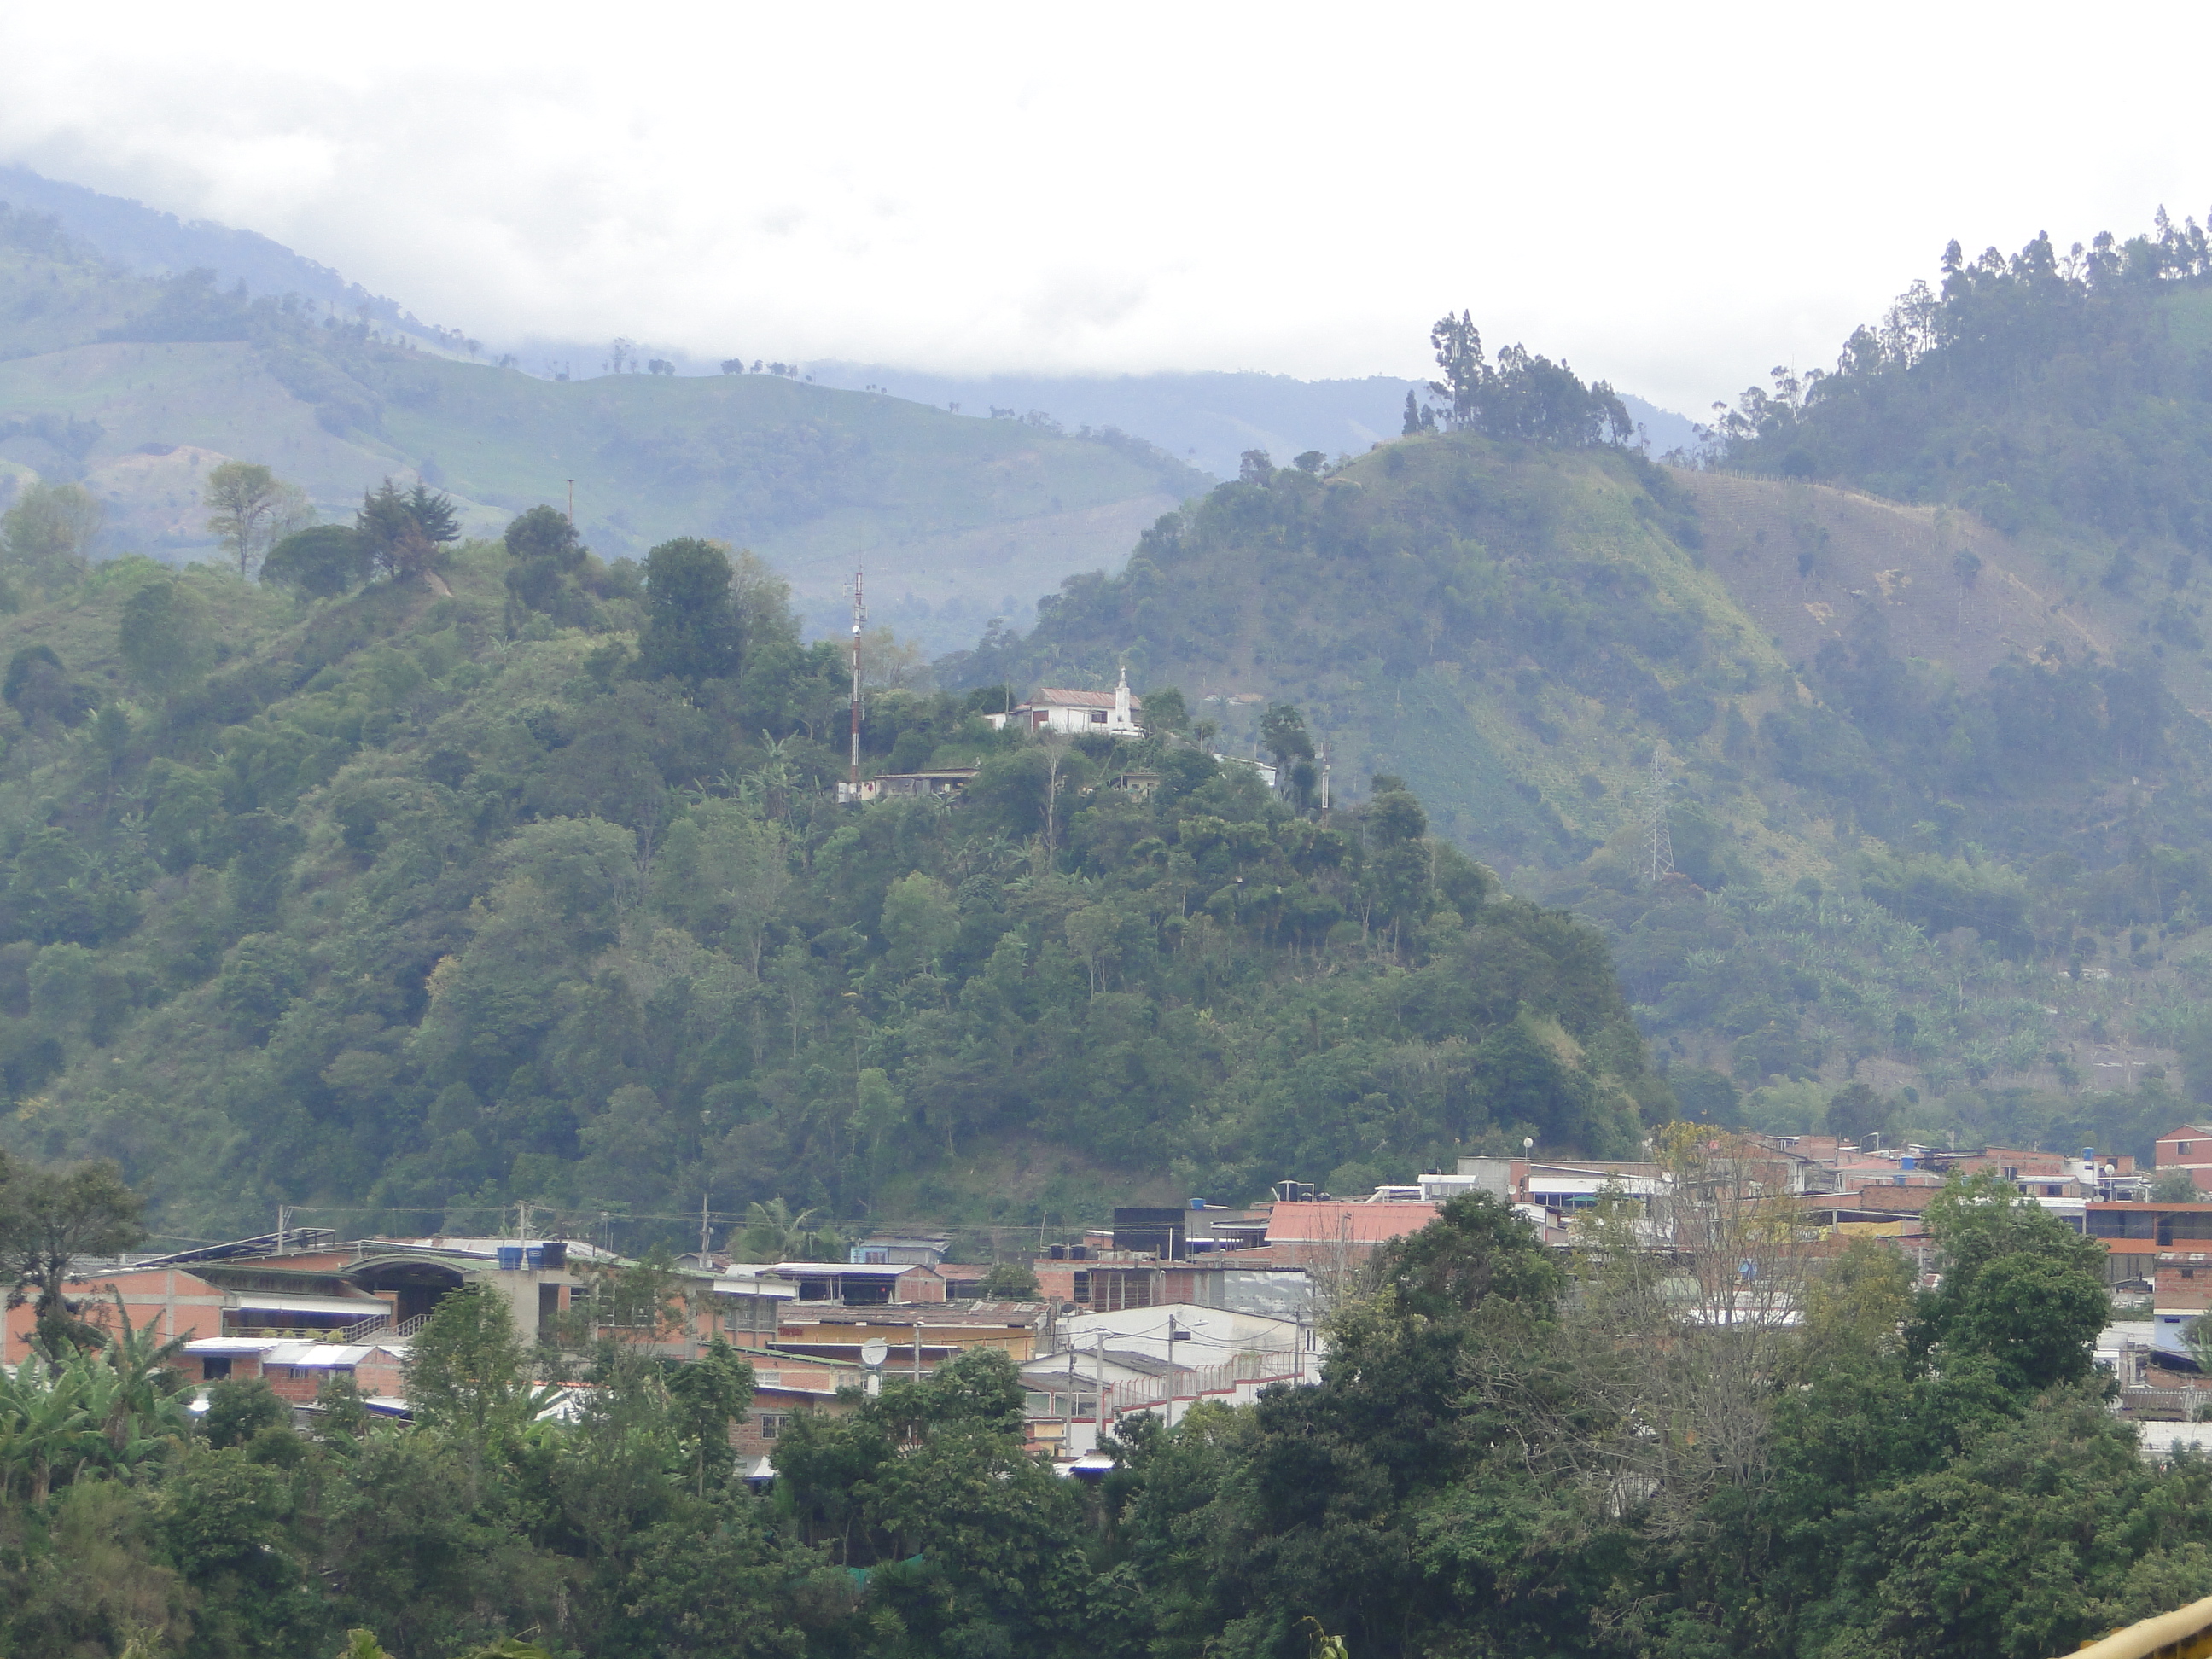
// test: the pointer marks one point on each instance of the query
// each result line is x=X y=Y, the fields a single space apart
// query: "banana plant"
x=147 y=1400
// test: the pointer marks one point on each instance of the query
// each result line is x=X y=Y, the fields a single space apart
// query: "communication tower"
x=1658 y=846
x=859 y=615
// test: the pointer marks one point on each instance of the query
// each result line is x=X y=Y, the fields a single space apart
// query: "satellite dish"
x=874 y=1351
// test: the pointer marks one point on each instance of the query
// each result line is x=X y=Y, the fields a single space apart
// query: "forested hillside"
x=1936 y=817
x=2065 y=399
x=416 y=902
x=137 y=388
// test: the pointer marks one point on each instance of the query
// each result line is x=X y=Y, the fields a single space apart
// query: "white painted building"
x=1113 y=712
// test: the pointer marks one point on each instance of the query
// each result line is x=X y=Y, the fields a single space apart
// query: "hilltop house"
x=1113 y=712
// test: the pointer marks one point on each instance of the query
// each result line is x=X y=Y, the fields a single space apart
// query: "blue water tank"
x=533 y=1256
x=510 y=1257
x=1198 y=1204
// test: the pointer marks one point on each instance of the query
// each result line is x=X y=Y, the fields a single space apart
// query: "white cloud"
x=1673 y=199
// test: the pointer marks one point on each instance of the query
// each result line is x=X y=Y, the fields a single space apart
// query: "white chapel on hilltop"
x=1113 y=712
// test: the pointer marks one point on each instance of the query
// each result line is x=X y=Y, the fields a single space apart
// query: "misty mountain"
x=149 y=242
x=1208 y=420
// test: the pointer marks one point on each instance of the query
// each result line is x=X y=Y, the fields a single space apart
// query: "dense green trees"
x=1524 y=397
x=1461 y=1478
x=49 y=1218
x=2042 y=390
x=1511 y=1448
x=45 y=541
x=547 y=555
x=319 y=563
x=250 y=509
x=431 y=904
x=691 y=627
x=402 y=532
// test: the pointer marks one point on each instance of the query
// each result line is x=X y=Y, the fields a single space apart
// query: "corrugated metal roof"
x=360 y=1308
x=319 y=1356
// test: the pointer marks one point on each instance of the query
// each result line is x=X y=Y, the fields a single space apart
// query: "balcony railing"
x=361 y=1330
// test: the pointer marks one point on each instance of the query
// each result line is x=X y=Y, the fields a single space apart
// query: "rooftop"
x=1007 y=1315
x=1333 y=1222
x=1066 y=699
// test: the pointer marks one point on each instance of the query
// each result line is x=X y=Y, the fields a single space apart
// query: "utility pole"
x=283 y=1225
x=572 y=503
x=1098 y=1380
x=1324 y=777
x=859 y=615
x=705 y=1233
x=1658 y=846
x=917 y=1352
x=1173 y=1388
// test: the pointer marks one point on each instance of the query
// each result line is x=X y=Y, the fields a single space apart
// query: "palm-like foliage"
x=116 y=1408
x=773 y=1233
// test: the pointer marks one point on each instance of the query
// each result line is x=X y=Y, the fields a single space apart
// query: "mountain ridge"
x=136 y=387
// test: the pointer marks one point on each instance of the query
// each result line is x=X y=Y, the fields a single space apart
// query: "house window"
x=1098 y=717
x=2012 y=1172
x=2182 y=1148
x=214 y=1368
x=771 y=1424
x=1081 y=1291
x=2188 y=1272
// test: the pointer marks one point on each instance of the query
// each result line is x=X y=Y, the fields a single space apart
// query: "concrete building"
x=949 y=783
x=939 y=1331
x=862 y=1284
x=1159 y=1360
x=2189 y=1147
x=296 y=1370
x=927 y=1250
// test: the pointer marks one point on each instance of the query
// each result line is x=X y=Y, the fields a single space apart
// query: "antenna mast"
x=1658 y=846
x=859 y=615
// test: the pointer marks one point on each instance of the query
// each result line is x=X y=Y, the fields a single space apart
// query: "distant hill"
x=1939 y=834
x=137 y=386
x=1209 y=420
x=147 y=242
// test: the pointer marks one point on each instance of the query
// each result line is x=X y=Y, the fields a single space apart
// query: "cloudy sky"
x=1674 y=198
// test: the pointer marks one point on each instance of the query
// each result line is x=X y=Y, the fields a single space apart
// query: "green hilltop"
x=1936 y=800
x=136 y=387
x=409 y=905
